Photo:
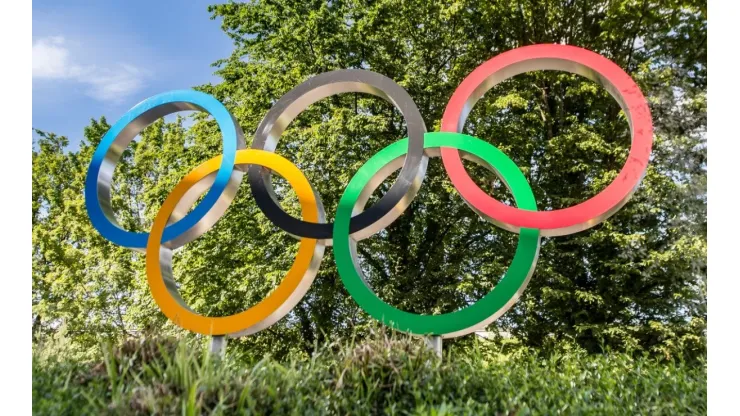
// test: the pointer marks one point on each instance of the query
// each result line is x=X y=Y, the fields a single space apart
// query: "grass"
x=378 y=376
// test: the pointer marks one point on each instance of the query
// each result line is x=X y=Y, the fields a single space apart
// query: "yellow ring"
x=293 y=286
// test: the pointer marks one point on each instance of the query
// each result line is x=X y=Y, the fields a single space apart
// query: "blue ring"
x=226 y=124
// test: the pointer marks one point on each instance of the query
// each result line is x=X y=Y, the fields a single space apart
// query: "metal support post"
x=218 y=345
x=435 y=344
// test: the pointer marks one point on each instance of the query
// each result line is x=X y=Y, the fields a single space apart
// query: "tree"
x=634 y=281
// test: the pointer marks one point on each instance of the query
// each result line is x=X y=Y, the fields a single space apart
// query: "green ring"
x=470 y=318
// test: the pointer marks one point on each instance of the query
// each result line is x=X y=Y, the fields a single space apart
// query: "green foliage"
x=380 y=376
x=634 y=283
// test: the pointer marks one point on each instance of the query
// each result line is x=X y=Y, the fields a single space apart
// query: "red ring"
x=572 y=59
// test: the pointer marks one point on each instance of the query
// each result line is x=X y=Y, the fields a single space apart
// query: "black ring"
x=390 y=205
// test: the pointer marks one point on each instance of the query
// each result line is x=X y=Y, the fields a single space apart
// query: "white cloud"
x=52 y=61
x=108 y=84
x=50 y=58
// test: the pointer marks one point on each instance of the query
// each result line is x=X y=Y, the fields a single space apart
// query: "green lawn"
x=378 y=377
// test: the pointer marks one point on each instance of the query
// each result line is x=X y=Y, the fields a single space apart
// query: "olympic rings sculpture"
x=220 y=177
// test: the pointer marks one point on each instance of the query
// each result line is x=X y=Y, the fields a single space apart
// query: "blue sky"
x=94 y=58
